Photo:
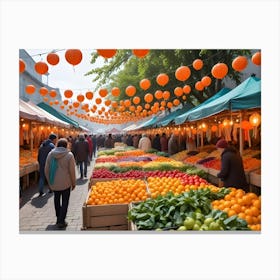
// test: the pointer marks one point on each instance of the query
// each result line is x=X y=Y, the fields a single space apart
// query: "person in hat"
x=43 y=152
x=232 y=170
x=145 y=143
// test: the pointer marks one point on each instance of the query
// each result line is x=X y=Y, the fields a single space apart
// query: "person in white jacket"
x=145 y=143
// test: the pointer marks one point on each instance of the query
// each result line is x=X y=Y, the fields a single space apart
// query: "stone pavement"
x=37 y=214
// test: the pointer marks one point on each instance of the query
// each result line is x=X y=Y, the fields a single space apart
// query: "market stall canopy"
x=57 y=114
x=179 y=119
x=247 y=95
x=29 y=110
x=170 y=117
x=113 y=131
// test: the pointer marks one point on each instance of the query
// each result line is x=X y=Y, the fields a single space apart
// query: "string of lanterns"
x=74 y=57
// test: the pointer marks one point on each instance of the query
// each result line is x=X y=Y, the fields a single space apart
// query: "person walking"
x=173 y=145
x=88 y=139
x=164 y=143
x=61 y=177
x=232 y=170
x=81 y=152
x=156 y=143
x=109 y=142
x=43 y=152
x=145 y=143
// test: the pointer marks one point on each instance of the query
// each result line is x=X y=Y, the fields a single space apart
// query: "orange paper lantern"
x=197 y=64
x=166 y=95
x=162 y=79
x=182 y=73
x=178 y=91
x=148 y=97
x=68 y=93
x=199 y=86
x=98 y=100
x=43 y=91
x=41 y=67
x=186 y=89
x=239 y=63
x=89 y=95
x=103 y=92
x=176 y=102
x=21 y=65
x=73 y=56
x=256 y=58
x=145 y=84
x=52 y=93
x=30 y=89
x=140 y=53
x=76 y=104
x=219 y=70
x=115 y=91
x=106 y=53
x=206 y=81
x=130 y=91
x=52 y=58
x=158 y=94
x=80 y=98
x=136 y=100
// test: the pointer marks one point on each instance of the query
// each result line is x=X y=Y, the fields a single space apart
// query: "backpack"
x=53 y=168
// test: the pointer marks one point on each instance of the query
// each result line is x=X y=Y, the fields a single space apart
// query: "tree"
x=125 y=69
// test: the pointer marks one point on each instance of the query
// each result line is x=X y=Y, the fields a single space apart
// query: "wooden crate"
x=255 y=179
x=105 y=217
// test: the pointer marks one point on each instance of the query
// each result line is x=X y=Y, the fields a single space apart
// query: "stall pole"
x=240 y=136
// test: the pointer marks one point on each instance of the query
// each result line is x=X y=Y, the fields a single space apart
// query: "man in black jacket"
x=232 y=170
x=43 y=152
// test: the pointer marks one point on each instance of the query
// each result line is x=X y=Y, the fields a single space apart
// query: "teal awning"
x=247 y=95
x=57 y=114
x=170 y=117
x=183 y=117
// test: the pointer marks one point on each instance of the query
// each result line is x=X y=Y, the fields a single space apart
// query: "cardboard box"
x=255 y=179
x=105 y=217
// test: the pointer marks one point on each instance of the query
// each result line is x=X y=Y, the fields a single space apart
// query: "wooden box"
x=105 y=217
x=255 y=179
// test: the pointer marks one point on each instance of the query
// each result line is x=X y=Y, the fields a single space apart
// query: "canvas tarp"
x=247 y=95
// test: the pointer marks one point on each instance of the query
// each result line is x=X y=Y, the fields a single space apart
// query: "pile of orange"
x=130 y=153
x=246 y=205
x=117 y=192
x=163 y=185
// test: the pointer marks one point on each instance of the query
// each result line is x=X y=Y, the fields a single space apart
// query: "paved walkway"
x=38 y=213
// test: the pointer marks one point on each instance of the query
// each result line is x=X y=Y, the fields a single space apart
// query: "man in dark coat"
x=232 y=170
x=43 y=152
x=156 y=143
x=81 y=153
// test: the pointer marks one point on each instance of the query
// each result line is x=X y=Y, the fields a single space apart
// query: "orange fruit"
x=231 y=213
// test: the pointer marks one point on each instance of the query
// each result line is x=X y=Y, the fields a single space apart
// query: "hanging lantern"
x=246 y=125
x=166 y=95
x=256 y=58
x=226 y=123
x=30 y=89
x=52 y=58
x=73 y=56
x=219 y=70
x=186 y=89
x=255 y=119
x=43 y=91
x=239 y=63
x=197 y=64
x=65 y=102
x=158 y=94
x=80 y=98
x=162 y=79
x=182 y=73
x=136 y=100
x=169 y=105
x=140 y=53
x=178 y=91
x=41 y=67
x=214 y=128
x=145 y=84
x=127 y=103
x=68 y=93
x=148 y=97
x=199 y=86
x=103 y=92
x=76 y=104
x=106 y=53
x=115 y=91
x=176 y=102
x=21 y=65
x=52 y=93
x=98 y=100
x=130 y=91
x=89 y=95
x=206 y=81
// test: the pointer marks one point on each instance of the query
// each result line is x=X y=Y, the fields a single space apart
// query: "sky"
x=64 y=75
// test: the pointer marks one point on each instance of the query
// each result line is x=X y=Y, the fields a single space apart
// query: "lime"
x=208 y=221
x=214 y=226
x=189 y=223
x=181 y=228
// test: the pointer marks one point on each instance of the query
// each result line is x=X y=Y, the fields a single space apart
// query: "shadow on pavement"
x=80 y=182
x=40 y=202
x=54 y=227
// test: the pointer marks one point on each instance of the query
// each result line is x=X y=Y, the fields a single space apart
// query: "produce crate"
x=131 y=225
x=105 y=217
x=255 y=179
